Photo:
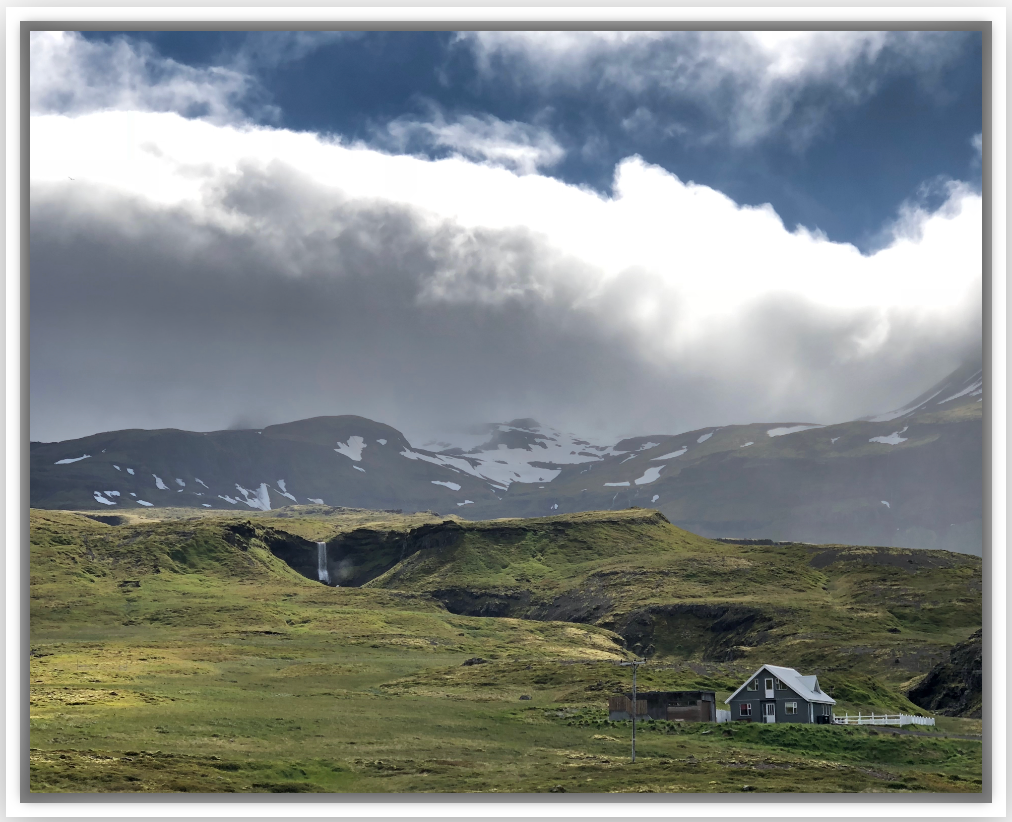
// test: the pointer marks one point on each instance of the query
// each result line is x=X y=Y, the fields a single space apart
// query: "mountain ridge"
x=910 y=478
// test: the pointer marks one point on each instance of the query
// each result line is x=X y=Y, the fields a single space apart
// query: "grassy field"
x=168 y=657
x=888 y=613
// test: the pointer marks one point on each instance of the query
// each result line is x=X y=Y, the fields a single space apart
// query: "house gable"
x=803 y=687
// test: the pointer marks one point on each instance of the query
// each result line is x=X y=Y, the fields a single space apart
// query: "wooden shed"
x=685 y=706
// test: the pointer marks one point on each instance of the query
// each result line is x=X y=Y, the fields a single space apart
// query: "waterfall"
x=321 y=562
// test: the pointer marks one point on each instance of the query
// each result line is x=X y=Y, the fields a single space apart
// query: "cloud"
x=270 y=49
x=744 y=87
x=977 y=142
x=193 y=273
x=72 y=75
x=519 y=146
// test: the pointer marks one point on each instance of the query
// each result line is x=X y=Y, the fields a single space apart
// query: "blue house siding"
x=805 y=711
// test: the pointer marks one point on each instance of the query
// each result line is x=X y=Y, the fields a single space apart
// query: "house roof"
x=807 y=687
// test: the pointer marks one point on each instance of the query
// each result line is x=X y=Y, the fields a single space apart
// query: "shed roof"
x=807 y=687
x=642 y=694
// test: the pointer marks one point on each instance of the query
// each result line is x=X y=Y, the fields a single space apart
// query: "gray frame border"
x=983 y=26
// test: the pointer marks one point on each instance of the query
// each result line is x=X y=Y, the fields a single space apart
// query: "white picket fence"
x=883 y=719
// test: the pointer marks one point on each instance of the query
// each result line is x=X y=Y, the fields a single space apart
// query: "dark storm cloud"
x=151 y=320
x=148 y=317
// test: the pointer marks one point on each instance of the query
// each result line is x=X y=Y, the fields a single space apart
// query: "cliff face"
x=953 y=687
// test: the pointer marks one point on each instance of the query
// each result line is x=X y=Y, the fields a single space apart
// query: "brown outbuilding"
x=684 y=706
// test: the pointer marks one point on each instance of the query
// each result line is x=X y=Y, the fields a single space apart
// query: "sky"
x=614 y=233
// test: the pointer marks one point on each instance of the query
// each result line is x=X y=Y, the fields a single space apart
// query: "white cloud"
x=520 y=146
x=689 y=291
x=72 y=75
x=750 y=84
x=662 y=258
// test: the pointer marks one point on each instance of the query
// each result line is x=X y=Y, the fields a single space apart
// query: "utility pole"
x=635 y=665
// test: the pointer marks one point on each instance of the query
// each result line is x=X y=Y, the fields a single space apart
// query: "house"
x=777 y=694
x=687 y=706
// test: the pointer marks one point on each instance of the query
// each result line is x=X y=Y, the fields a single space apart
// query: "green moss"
x=166 y=658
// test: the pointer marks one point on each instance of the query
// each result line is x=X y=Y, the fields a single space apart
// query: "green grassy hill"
x=177 y=652
x=671 y=594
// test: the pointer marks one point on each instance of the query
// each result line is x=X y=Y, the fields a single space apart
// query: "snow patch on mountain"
x=672 y=455
x=509 y=465
x=893 y=439
x=70 y=460
x=260 y=498
x=161 y=486
x=616 y=484
x=791 y=429
x=284 y=491
x=352 y=449
x=130 y=471
x=451 y=485
x=197 y=479
x=145 y=503
x=180 y=483
x=317 y=501
x=650 y=475
x=102 y=499
x=703 y=438
x=902 y=412
x=746 y=445
x=973 y=389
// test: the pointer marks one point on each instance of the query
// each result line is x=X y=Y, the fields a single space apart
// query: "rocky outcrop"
x=716 y=632
x=953 y=687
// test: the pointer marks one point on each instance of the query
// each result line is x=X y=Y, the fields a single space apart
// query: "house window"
x=753 y=685
x=780 y=685
x=746 y=709
x=791 y=708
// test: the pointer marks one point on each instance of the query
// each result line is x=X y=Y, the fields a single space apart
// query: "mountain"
x=908 y=478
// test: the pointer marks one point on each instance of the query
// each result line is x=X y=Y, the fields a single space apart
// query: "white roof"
x=807 y=687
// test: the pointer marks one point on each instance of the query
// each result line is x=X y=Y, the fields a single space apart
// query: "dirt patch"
x=906 y=559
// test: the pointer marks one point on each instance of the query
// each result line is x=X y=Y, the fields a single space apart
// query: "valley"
x=179 y=651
